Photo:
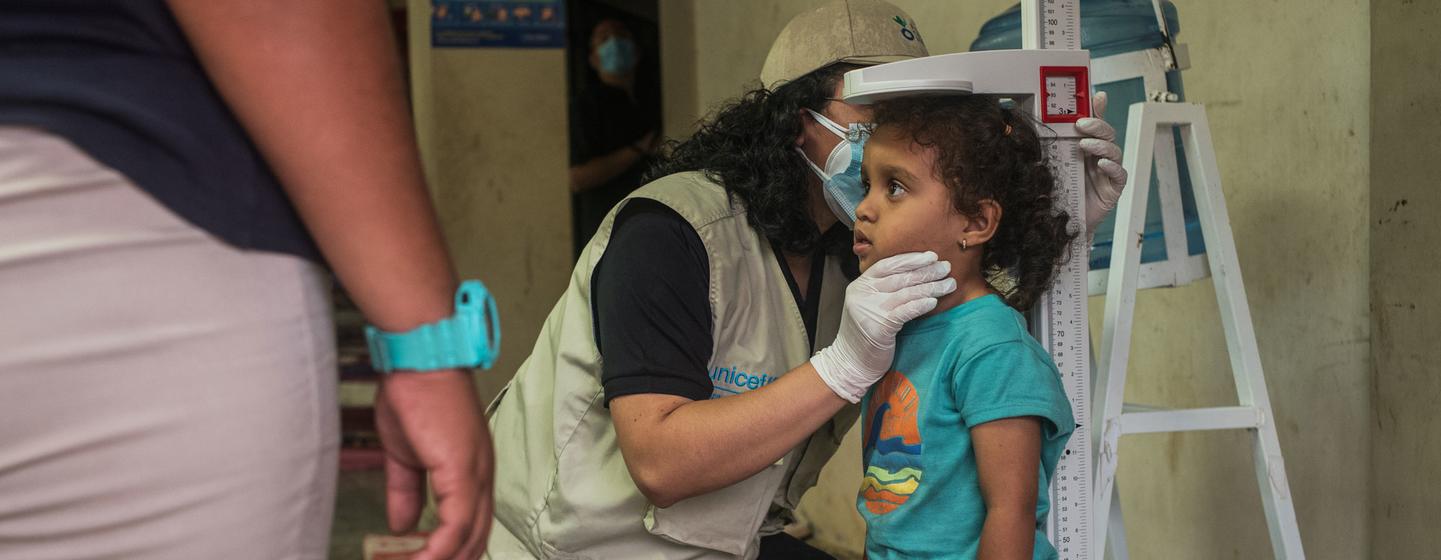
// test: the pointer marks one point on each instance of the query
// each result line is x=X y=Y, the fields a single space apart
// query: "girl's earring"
x=962 y=243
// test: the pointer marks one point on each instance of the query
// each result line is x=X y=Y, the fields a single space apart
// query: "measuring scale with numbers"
x=1050 y=81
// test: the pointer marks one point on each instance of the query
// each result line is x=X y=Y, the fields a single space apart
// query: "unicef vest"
x=562 y=489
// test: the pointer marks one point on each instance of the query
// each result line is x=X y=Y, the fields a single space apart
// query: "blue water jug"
x=1109 y=28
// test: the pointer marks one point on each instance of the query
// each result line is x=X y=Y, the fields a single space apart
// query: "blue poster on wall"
x=517 y=24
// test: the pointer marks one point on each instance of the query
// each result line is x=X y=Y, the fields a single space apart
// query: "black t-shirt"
x=118 y=80
x=651 y=305
x=604 y=119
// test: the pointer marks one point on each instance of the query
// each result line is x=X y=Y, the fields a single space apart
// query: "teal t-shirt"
x=972 y=364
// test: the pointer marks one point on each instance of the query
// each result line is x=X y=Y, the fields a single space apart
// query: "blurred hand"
x=648 y=143
x=431 y=423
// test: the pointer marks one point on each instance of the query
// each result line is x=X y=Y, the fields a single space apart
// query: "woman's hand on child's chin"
x=877 y=305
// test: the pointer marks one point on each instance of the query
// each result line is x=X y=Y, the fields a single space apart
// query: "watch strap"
x=469 y=338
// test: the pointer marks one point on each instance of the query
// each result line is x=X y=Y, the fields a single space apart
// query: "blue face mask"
x=617 y=55
x=841 y=178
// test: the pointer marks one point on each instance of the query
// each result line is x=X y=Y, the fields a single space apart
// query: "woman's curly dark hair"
x=748 y=146
x=987 y=151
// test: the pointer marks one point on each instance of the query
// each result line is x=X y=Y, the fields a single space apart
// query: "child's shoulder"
x=991 y=338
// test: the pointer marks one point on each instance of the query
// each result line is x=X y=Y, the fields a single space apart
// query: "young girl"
x=962 y=436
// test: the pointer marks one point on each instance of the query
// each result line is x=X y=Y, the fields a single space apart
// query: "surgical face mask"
x=617 y=55
x=841 y=177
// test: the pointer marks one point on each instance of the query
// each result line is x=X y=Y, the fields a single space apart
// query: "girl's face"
x=906 y=208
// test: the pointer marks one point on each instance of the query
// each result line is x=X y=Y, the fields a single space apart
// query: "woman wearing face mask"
x=613 y=128
x=699 y=371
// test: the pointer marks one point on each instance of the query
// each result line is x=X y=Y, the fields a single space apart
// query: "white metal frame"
x=1149 y=139
x=1179 y=268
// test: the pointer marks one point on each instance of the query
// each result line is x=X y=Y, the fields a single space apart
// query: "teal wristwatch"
x=469 y=338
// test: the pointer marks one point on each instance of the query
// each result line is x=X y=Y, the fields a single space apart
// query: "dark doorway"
x=615 y=109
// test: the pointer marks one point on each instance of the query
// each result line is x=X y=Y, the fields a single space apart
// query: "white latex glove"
x=1103 y=166
x=895 y=290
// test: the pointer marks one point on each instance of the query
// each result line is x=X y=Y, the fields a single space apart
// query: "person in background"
x=614 y=129
x=174 y=178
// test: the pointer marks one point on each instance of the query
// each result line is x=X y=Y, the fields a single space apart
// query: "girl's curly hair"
x=987 y=151
x=748 y=147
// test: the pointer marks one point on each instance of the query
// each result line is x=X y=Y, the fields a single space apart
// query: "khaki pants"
x=162 y=394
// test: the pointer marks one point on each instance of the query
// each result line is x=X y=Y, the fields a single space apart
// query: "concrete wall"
x=1405 y=248
x=493 y=132
x=1286 y=84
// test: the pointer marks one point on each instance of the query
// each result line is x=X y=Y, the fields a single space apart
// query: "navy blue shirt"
x=118 y=79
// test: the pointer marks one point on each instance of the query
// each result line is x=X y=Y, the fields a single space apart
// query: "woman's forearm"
x=317 y=86
x=676 y=448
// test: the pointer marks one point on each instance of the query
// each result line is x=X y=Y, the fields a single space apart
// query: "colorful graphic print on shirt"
x=892 y=440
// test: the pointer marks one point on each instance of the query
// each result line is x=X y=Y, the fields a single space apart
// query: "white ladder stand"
x=1149 y=140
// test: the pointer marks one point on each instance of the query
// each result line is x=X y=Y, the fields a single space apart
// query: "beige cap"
x=864 y=32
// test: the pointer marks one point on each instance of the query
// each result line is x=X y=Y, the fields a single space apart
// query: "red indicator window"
x=1065 y=94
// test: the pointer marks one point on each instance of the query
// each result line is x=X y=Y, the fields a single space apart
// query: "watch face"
x=476 y=307
x=471 y=294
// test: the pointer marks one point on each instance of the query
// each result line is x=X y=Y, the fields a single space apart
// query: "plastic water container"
x=1112 y=27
